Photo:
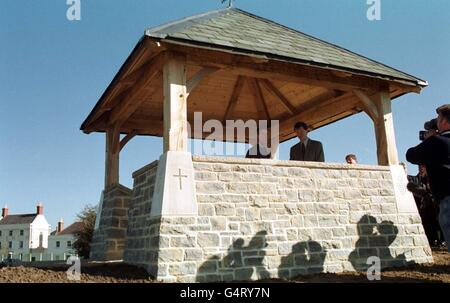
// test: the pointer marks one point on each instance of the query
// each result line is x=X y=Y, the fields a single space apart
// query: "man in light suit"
x=306 y=149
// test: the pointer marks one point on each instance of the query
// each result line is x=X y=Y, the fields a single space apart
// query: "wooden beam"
x=112 y=152
x=368 y=104
x=199 y=76
x=127 y=138
x=234 y=97
x=384 y=130
x=284 y=101
x=277 y=69
x=260 y=102
x=317 y=111
x=175 y=105
x=130 y=103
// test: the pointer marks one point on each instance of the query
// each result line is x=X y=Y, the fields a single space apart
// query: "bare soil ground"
x=120 y=273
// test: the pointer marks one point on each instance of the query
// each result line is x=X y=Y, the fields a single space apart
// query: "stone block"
x=252 y=214
x=306 y=195
x=183 y=269
x=206 y=210
x=170 y=255
x=225 y=209
x=205 y=176
x=193 y=254
x=182 y=241
x=218 y=223
x=208 y=240
x=210 y=187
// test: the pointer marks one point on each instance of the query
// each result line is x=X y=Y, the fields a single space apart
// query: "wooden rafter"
x=260 y=101
x=279 y=70
x=128 y=137
x=199 y=76
x=284 y=101
x=368 y=104
x=130 y=103
x=320 y=110
x=239 y=85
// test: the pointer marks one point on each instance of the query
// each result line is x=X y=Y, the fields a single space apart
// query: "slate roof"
x=232 y=28
x=18 y=219
x=72 y=229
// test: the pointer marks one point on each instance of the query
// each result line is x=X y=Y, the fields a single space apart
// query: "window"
x=10 y=233
x=58 y=244
x=10 y=244
x=0 y=233
x=21 y=244
x=0 y=245
x=69 y=243
x=21 y=232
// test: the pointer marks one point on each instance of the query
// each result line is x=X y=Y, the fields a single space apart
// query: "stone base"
x=262 y=219
x=174 y=193
x=108 y=241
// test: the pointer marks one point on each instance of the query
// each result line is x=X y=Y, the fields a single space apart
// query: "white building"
x=24 y=236
x=60 y=241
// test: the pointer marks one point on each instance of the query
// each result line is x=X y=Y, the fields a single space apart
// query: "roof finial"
x=230 y=2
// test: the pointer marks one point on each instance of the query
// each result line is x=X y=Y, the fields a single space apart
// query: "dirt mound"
x=122 y=273
x=91 y=273
x=437 y=272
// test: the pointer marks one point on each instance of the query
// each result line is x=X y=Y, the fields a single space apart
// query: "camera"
x=430 y=129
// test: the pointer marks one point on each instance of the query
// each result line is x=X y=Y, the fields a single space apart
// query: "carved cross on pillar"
x=180 y=176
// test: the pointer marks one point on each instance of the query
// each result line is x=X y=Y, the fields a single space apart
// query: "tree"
x=82 y=244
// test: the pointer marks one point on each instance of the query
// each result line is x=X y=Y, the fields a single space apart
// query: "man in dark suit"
x=434 y=153
x=306 y=149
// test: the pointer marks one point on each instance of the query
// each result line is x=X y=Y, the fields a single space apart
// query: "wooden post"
x=112 y=156
x=384 y=130
x=175 y=107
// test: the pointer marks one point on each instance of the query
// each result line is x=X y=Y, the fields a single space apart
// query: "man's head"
x=443 y=119
x=302 y=130
x=351 y=159
x=422 y=170
x=431 y=128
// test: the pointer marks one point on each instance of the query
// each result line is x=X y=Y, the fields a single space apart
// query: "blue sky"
x=53 y=71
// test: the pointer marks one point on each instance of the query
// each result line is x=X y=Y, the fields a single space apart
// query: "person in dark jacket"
x=260 y=150
x=434 y=153
x=428 y=209
x=306 y=149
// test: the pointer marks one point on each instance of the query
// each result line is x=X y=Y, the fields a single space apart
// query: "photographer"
x=434 y=153
x=428 y=209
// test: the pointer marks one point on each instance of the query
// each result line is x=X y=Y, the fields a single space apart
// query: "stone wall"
x=142 y=236
x=267 y=218
x=108 y=241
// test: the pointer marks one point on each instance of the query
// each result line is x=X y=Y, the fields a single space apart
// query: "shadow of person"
x=306 y=257
x=390 y=232
x=233 y=259
x=242 y=261
x=374 y=241
x=209 y=270
x=358 y=257
x=254 y=256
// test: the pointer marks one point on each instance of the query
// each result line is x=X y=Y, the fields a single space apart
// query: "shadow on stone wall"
x=307 y=257
x=243 y=261
x=374 y=240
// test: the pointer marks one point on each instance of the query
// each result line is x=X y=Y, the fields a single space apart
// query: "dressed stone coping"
x=287 y=163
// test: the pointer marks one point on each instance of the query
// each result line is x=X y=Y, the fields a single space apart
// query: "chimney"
x=40 y=209
x=5 y=211
x=60 y=226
